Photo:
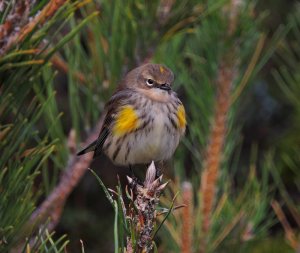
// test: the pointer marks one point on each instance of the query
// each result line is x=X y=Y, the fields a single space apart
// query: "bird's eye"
x=150 y=82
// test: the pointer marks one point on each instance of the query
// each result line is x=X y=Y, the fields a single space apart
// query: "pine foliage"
x=59 y=63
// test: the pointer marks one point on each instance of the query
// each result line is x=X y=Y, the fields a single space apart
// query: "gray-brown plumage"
x=144 y=118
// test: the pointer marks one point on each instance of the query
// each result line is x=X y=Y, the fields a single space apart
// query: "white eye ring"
x=150 y=82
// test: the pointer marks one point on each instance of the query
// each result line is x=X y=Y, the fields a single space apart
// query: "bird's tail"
x=89 y=148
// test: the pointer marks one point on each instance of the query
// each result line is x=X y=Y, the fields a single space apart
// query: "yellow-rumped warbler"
x=144 y=119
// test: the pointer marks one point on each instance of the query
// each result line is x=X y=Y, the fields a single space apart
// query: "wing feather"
x=112 y=107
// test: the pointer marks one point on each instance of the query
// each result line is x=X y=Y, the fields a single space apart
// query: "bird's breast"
x=158 y=135
x=160 y=126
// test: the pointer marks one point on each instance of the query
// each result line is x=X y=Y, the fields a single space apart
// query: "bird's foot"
x=135 y=179
x=159 y=169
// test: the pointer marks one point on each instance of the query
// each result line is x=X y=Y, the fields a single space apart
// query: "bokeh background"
x=61 y=61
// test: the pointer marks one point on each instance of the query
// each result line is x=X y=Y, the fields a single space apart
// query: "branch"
x=214 y=151
x=289 y=233
x=142 y=212
x=53 y=205
x=187 y=218
x=17 y=17
x=215 y=147
x=60 y=64
x=16 y=38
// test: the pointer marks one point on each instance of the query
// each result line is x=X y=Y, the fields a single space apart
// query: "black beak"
x=165 y=87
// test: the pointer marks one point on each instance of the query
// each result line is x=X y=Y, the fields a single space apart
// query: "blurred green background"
x=78 y=55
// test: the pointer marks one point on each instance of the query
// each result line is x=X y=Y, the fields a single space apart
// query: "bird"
x=144 y=119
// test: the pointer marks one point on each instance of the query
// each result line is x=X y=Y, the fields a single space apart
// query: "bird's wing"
x=112 y=106
x=118 y=99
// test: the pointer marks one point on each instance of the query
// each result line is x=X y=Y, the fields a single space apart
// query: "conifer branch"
x=215 y=147
x=289 y=232
x=15 y=20
x=142 y=212
x=214 y=151
x=60 y=64
x=187 y=218
x=14 y=38
x=53 y=205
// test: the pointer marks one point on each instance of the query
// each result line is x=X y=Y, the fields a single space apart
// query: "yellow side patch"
x=181 y=116
x=126 y=121
x=161 y=69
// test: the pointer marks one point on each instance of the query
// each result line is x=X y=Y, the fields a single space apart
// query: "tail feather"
x=89 y=148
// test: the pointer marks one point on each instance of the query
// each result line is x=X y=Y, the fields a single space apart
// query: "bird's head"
x=150 y=77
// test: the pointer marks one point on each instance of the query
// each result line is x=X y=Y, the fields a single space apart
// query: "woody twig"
x=53 y=205
x=290 y=235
